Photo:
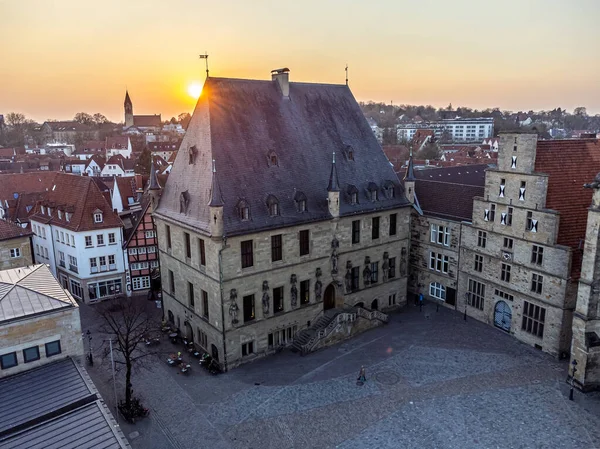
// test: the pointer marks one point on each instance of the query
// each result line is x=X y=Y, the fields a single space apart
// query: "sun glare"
x=194 y=90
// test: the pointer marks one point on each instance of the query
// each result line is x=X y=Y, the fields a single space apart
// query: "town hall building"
x=282 y=222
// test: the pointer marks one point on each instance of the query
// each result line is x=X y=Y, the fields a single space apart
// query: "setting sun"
x=194 y=90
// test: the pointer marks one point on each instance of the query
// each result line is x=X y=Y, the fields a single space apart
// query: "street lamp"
x=574 y=370
x=466 y=302
x=90 y=357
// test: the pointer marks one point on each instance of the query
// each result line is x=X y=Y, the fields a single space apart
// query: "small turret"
x=409 y=180
x=154 y=189
x=216 y=206
x=333 y=191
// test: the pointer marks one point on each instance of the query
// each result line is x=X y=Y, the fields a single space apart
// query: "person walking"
x=420 y=301
x=362 y=378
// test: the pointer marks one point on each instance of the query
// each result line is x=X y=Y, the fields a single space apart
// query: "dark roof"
x=68 y=126
x=81 y=196
x=54 y=406
x=242 y=123
x=117 y=142
x=473 y=175
x=569 y=164
x=448 y=192
x=147 y=120
x=9 y=230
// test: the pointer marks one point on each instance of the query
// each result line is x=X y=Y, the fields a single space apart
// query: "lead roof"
x=264 y=144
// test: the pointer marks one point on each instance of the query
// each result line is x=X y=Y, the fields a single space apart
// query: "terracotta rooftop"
x=569 y=164
x=9 y=230
x=80 y=196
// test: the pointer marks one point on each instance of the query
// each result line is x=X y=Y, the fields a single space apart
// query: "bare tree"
x=84 y=118
x=128 y=322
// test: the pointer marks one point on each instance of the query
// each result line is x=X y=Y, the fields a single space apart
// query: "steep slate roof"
x=240 y=123
x=569 y=164
x=9 y=230
x=448 y=192
x=55 y=406
x=81 y=196
x=30 y=291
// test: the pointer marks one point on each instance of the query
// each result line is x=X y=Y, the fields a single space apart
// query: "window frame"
x=247 y=253
x=355 y=232
x=205 y=311
x=305 y=292
x=276 y=247
x=304 y=240
x=191 y=299
x=36 y=357
x=533 y=319
x=48 y=354
x=278 y=300
x=476 y=297
x=437 y=290
x=393 y=224
x=250 y=308
x=505 y=271
x=537 y=255
x=187 y=239
x=15 y=253
x=202 y=252
x=478 y=263
x=481 y=239
x=3 y=364
x=375 y=228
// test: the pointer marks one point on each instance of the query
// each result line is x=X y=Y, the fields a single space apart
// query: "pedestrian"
x=420 y=301
x=362 y=378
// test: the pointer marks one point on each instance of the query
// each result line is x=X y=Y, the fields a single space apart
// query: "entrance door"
x=329 y=298
x=451 y=296
x=502 y=316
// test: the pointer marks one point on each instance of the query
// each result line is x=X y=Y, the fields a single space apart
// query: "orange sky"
x=60 y=57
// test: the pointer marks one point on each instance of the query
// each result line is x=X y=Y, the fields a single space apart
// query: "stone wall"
x=63 y=325
x=24 y=245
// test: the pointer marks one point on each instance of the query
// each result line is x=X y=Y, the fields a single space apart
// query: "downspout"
x=460 y=236
x=223 y=246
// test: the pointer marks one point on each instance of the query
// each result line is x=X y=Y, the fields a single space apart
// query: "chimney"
x=282 y=76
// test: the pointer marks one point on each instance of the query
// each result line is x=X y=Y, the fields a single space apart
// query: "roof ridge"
x=453 y=183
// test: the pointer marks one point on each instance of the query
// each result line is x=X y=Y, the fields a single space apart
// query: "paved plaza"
x=433 y=381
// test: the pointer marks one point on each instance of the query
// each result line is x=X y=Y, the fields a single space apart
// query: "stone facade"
x=513 y=274
x=226 y=283
x=15 y=252
x=434 y=258
x=61 y=325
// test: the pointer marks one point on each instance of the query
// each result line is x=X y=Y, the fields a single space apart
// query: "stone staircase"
x=305 y=335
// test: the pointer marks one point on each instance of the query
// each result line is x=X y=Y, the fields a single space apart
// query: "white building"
x=118 y=166
x=458 y=129
x=118 y=145
x=79 y=236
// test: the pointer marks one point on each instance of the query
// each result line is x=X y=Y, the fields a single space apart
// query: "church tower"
x=128 y=111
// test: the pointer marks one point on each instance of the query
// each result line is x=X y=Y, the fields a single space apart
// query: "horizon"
x=71 y=57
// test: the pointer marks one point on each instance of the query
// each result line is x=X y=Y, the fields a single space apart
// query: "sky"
x=60 y=57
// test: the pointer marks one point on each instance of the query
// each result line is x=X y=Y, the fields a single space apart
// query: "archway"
x=329 y=297
x=375 y=304
x=189 y=332
x=360 y=304
x=502 y=316
x=215 y=352
x=171 y=317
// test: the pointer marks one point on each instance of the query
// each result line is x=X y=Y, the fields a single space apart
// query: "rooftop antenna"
x=346 y=74
x=205 y=57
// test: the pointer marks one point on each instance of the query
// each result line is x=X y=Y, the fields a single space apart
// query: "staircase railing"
x=327 y=330
x=372 y=314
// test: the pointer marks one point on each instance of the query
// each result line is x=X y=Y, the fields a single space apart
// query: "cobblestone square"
x=433 y=381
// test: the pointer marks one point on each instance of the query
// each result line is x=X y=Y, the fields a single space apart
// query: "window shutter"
x=501 y=195
x=486 y=215
x=522 y=194
x=534 y=225
x=514 y=162
x=503 y=218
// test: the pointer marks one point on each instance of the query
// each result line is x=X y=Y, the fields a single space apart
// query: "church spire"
x=334 y=184
x=127 y=99
x=154 y=185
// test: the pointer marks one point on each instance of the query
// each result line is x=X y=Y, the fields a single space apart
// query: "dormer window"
x=43 y=210
x=68 y=216
x=349 y=152
x=389 y=189
x=59 y=214
x=243 y=210
x=273 y=205
x=373 y=193
x=300 y=199
x=49 y=211
x=98 y=217
x=353 y=193
x=272 y=159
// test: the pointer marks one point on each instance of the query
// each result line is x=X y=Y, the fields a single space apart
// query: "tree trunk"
x=128 y=389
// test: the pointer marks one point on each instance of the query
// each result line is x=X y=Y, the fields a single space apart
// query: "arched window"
x=437 y=290
x=300 y=199
x=273 y=205
x=243 y=210
x=193 y=151
x=272 y=159
x=353 y=194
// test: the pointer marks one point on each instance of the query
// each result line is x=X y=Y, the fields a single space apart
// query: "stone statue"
x=335 y=244
x=595 y=184
x=294 y=290
x=403 y=262
x=233 y=307
x=385 y=266
x=318 y=285
x=367 y=272
x=265 y=297
x=348 y=277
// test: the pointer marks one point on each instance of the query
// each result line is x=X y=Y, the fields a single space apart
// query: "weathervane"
x=205 y=57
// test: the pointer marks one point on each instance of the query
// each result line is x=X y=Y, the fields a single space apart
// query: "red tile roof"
x=421 y=135
x=81 y=196
x=147 y=120
x=9 y=230
x=569 y=164
x=127 y=189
